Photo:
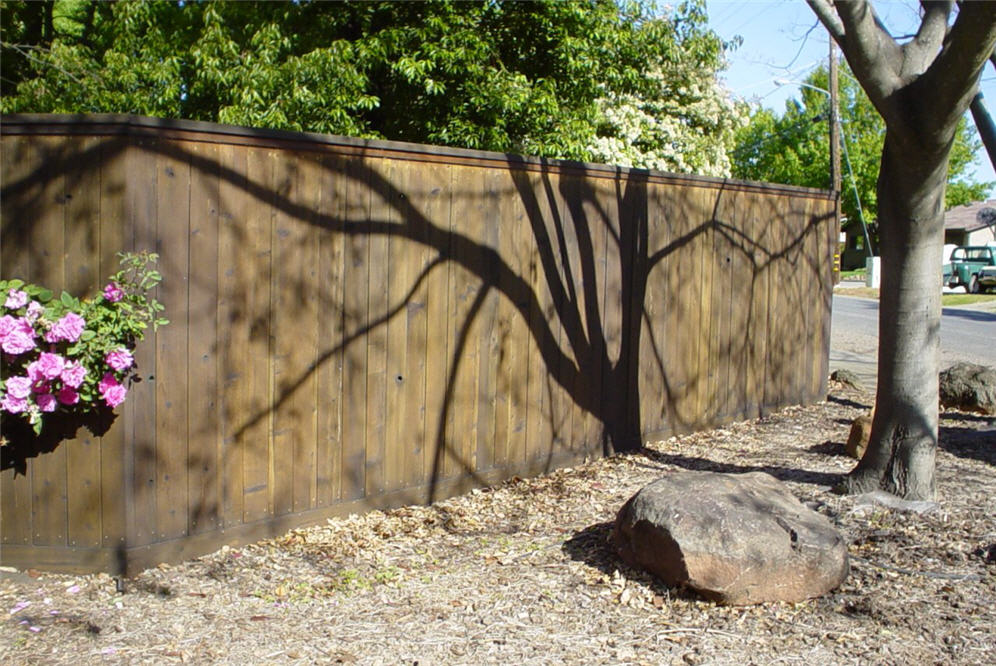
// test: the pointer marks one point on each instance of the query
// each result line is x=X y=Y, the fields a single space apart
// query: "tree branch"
x=824 y=11
x=952 y=77
x=921 y=50
x=984 y=124
x=874 y=56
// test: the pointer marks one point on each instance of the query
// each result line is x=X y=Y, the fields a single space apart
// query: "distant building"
x=963 y=225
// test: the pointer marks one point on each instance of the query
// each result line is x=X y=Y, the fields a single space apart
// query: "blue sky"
x=782 y=41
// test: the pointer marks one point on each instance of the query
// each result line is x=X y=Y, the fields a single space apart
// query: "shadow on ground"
x=593 y=546
x=791 y=474
x=968 y=442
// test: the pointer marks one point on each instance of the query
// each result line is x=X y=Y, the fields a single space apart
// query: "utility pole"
x=835 y=153
x=834 y=123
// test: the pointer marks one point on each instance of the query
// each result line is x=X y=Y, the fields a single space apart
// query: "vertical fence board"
x=202 y=347
x=757 y=320
x=556 y=306
x=113 y=188
x=378 y=281
x=724 y=297
x=419 y=266
x=331 y=333
x=652 y=388
x=539 y=429
x=355 y=302
x=48 y=472
x=434 y=207
x=82 y=261
x=462 y=343
x=594 y=215
x=633 y=222
x=405 y=384
x=254 y=418
x=740 y=293
x=139 y=409
x=512 y=329
x=235 y=282
x=18 y=162
x=489 y=230
x=304 y=342
x=777 y=373
x=579 y=340
x=173 y=220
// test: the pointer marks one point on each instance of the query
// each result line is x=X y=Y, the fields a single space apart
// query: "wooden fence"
x=361 y=324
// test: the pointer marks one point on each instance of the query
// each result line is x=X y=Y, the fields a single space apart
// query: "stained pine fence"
x=361 y=324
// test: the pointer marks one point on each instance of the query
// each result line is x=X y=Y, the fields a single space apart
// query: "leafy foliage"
x=542 y=78
x=793 y=148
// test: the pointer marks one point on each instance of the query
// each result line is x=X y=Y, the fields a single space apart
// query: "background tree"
x=539 y=78
x=921 y=88
x=792 y=148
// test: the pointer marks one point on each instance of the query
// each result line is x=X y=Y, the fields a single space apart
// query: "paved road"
x=966 y=335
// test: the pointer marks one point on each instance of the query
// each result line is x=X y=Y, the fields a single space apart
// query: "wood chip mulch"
x=523 y=573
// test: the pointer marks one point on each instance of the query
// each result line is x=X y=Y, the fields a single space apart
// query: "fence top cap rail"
x=144 y=126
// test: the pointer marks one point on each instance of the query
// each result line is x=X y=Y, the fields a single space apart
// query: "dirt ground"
x=524 y=573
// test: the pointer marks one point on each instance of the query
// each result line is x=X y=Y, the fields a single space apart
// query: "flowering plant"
x=73 y=355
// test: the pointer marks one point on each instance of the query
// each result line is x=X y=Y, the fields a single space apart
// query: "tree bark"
x=903 y=442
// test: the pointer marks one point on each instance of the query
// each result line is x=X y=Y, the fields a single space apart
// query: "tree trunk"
x=903 y=443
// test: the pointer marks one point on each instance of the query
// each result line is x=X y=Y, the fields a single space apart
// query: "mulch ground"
x=524 y=573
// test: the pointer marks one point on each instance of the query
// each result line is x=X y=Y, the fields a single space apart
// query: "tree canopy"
x=541 y=78
x=792 y=148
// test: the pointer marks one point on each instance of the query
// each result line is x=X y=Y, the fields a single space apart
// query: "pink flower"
x=114 y=395
x=15 y=299
x=13 y=405
x=119 y=359
x=35 y=310
x=73 y=374
x=111 y=390
x=68 y=328
x=46 y=402
x=35 y=373
x=7 y=324
x=50 y=365
x=19 y=387
x=106 y=382
x=19 y=338
x=68 y=396
x=113 y=293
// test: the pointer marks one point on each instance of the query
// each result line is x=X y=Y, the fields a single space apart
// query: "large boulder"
x=969 y=387
x=734 y=538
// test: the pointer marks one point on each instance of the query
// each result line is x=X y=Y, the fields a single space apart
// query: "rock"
x=969 y=387
x=857 y=439
x=846 y=377
x=735 y=538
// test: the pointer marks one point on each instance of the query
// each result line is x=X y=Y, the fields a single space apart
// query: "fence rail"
x=361 y=324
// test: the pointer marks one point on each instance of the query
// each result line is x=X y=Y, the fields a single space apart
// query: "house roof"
x=965 y=218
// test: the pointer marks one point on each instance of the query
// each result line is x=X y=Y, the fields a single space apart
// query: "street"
x=966 y=335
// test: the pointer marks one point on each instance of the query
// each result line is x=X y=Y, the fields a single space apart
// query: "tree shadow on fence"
x=260 y=255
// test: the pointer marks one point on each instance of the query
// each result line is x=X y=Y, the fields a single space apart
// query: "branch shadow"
x=287 y=237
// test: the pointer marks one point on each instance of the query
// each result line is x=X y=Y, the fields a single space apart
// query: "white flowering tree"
x=687 y=123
